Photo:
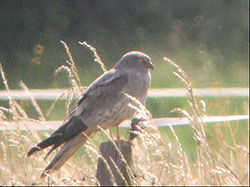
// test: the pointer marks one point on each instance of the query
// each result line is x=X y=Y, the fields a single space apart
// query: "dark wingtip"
x=33 y=150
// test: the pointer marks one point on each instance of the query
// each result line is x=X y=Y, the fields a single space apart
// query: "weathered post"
x=115 y=170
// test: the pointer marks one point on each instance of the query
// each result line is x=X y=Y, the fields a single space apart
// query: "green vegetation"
x=209 y=39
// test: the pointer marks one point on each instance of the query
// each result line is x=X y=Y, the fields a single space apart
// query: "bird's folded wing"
x=101 y=95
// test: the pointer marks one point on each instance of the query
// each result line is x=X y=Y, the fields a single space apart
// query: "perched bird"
x=104 y=103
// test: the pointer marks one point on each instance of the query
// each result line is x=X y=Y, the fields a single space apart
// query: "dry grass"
x=157 y=160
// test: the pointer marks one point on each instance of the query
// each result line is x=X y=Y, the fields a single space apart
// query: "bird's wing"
x=101 y=97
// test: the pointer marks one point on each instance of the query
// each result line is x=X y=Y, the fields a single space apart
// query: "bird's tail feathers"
x=66 y=152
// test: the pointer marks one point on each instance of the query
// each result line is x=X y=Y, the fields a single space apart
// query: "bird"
x=104 y=103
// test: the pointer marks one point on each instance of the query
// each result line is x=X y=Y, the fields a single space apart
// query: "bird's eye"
x=141 y=60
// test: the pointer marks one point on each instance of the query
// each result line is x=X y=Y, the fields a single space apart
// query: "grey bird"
x=104 y=103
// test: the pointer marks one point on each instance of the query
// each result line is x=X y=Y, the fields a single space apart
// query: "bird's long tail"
x=72 y=134
x=66 y=152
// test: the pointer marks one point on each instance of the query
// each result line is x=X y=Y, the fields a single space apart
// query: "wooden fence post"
x=118 y=171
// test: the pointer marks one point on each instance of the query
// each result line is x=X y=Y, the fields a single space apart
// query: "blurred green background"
x=208 y=39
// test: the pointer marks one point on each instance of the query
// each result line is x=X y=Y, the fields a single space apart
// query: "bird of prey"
x=104 y=104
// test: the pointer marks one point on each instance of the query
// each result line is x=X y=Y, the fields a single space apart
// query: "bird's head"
x=135 y=60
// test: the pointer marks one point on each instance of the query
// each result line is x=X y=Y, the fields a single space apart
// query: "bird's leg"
x=110 y=134
x=118 y=133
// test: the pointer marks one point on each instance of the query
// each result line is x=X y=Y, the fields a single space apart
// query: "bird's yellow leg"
x=118 y=133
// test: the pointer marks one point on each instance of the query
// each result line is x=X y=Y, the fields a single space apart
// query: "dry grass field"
x=221 y=158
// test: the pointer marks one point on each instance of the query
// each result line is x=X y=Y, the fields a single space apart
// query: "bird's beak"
x=150 y=65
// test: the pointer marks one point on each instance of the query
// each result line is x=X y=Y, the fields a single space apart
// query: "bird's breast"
x=138 y=84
